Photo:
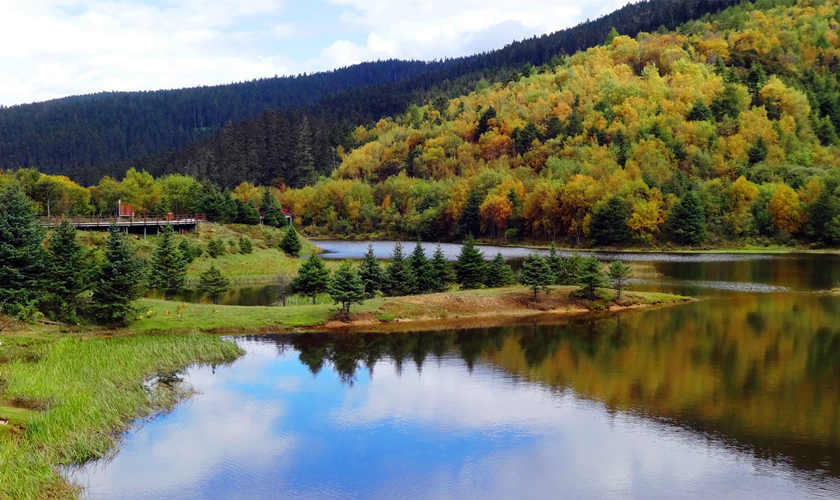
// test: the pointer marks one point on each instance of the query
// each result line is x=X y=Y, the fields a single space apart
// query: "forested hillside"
x=723 y=130
x=86 y=137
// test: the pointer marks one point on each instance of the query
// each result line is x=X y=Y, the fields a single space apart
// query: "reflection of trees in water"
x=757 y=371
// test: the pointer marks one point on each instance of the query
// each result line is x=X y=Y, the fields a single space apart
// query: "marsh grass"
x=89 y=391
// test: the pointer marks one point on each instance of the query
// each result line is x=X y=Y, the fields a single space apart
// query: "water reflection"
x=730 y=397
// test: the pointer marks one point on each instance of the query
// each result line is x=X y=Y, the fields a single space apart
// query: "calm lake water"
x=734 y=396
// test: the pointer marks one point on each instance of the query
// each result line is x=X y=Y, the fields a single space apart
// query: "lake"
x=736 y=395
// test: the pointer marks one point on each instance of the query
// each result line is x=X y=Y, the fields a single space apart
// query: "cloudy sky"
x=54 y=48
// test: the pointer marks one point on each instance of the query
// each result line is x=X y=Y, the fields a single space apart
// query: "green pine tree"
x=68 y=274
x=442 y=274
x=347 y=288
x=470 y=266
x=700 y=112
x=118 y=282
x=609 y=223
x=245 y=245
x=188 y=251
x=470 y=221
x=535 y=274
x=216 y=248
x=499 y=273
x=686 y=222
x=313 y=278
x=568 y=270
x=271 y=211
x=424 y=281
x=290 y=242
x=22 y=258
x=401 y=279
x=592 y=276
x=168 y=272
x=213 y=284
x=619 y=273
x=555 y=263
x=371 y=274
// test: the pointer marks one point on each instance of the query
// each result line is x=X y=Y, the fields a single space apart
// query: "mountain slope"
x=89 y=136
x=733 y=119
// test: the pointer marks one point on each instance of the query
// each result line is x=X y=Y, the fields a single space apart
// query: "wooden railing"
x=150 y=220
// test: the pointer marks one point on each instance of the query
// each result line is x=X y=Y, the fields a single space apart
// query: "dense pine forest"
x=87 y=137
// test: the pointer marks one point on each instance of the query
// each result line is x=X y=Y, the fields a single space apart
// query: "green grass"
x=85 y=392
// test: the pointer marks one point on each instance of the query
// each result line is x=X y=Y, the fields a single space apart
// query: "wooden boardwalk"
x=178 y=221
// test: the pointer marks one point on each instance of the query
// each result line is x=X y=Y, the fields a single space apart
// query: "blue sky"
x=54 y=48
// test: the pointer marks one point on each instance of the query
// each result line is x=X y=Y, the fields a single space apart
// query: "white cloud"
x=53 y=48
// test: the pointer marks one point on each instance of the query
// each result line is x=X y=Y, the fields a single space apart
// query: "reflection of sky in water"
x=265 y=427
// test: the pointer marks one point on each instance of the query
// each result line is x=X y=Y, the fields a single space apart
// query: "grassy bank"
x=66 y=398
x=383 y=312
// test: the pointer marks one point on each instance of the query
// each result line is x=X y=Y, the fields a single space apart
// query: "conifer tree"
x=568 y=270
x=68 y=274
x=22 y=258
x=213 y=284
x=401 y=279
x=371 y=274
x=686 y=222
x=118 y=282
x=442 y=274
x=245 y=245
x=216 y=248
x=346 y=288
x=535 y=274
x=168 y=271
x=499 y=273
x=423 y=277
x=271 y=211
x=188 y=251
x=555 y=263
x=619 y=273
x=470 y=266
x=290 y=242
x=609 y=222
x=592 y=276
x=470 y=221
x=312 y=279
x=246 y=214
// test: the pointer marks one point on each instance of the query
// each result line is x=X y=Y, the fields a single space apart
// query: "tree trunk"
x=313 y=300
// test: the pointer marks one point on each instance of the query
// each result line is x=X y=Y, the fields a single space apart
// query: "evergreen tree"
x=619 y=273
x=313 y=278
x=22 y=257
x=216 y=248
x=484 y=122
x=168 y=271
x=441 y=271
x=346 y=288
x=271 y=211
x=700 y=112
x=188 y=251
x=245 y=245
x=555 y=263
x=470 y=267
x=401 y=279
x=515 y=223
x=535 y=274
x=246 y=214
x=569 y=270
x=609 y=223
x=611 y=36
x=213 y=284
x=423 y=276
x=686 y=222
x=470 y=221
x=68 y=274
x=591 y=276
x=118 y=282
x=290 y=242
x=757 y=152
x=499 y=273
x=371 y=274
